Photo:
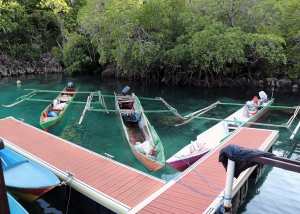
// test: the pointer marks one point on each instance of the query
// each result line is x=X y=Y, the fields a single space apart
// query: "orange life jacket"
x=255 y=100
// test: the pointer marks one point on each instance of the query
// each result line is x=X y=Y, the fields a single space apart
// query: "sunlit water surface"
x=277 y=191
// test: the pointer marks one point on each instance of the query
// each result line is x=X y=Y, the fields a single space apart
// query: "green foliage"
x=58 y=6
x=29 y=53
x=216 y=38
x=75 y=56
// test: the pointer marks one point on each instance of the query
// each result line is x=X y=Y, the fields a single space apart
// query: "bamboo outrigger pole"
x=171 y=108
x=233 y=121
x=199 y=112
x=87 y=107
x=236 y=104
x=21 y=99
x=102 y=102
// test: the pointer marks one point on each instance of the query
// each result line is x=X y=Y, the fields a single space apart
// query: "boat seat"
x=232 y=127
x=64 y=98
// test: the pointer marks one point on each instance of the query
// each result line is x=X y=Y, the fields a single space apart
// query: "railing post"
x=229 y=184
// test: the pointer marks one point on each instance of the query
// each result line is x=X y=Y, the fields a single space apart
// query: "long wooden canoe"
x=141 y=136
x=53 y=114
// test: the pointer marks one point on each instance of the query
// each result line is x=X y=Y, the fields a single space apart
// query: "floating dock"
x=199 y=189
x=112 y=184
x=123 y=189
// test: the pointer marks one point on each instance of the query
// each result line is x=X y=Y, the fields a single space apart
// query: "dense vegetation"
x=202 y=42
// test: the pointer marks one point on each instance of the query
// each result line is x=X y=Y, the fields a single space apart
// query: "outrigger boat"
x=141 y=136
x=55 y=111
x=212 y=137
x=23 y=177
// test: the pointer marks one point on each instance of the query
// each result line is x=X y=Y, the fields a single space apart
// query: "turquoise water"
x=275 y=192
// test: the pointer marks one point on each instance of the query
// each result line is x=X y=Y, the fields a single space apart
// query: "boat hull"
x=47 y=123
x=215 y=134
x=138 y=128
x=150 y=165
x=183 y=164
x=25 y=178
x=14 y=206
x=29 y=194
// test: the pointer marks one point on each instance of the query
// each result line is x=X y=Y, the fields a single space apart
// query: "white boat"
x=212 y=137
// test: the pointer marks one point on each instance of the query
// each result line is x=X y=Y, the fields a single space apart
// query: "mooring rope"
x=212 y=186
x=69 y=196
x=198 y=191
x=70 y=176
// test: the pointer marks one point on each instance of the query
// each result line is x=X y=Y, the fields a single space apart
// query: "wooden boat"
x=141 y=136
x=56 y=110
x=25 y=178
x=14 y=206
x=212 y=137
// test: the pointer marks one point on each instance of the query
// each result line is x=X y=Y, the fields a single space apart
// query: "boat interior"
x=128 y=112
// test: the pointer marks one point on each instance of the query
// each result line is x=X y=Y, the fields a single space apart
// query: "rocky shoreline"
x=14 y=67
x=49 y=64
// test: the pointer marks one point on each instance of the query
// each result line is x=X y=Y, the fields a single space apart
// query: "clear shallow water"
x=275 y=192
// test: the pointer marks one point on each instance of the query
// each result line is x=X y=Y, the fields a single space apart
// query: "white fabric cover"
x=263 y=95
x=54 y=103
x=195 y=146
x=60 y=106
x=144 y=147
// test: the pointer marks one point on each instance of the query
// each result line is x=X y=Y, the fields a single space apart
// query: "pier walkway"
x=112 y=184
x=199 y=188
x=123 y=189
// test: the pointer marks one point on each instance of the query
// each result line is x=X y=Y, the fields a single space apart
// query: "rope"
x=69 y=196
x=70 y=176
x=196 y=190
x=213 y=186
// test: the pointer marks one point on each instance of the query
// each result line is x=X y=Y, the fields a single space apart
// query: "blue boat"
x=14 y=206
x=25 y=178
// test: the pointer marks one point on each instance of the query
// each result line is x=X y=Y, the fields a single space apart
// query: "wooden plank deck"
x=199 y=188
x=114 y=185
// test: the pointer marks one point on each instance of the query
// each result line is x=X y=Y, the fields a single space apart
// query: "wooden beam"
x=283 y=163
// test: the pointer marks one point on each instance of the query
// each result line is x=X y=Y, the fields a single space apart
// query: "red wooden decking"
x=112 y=184
x=191 y=191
